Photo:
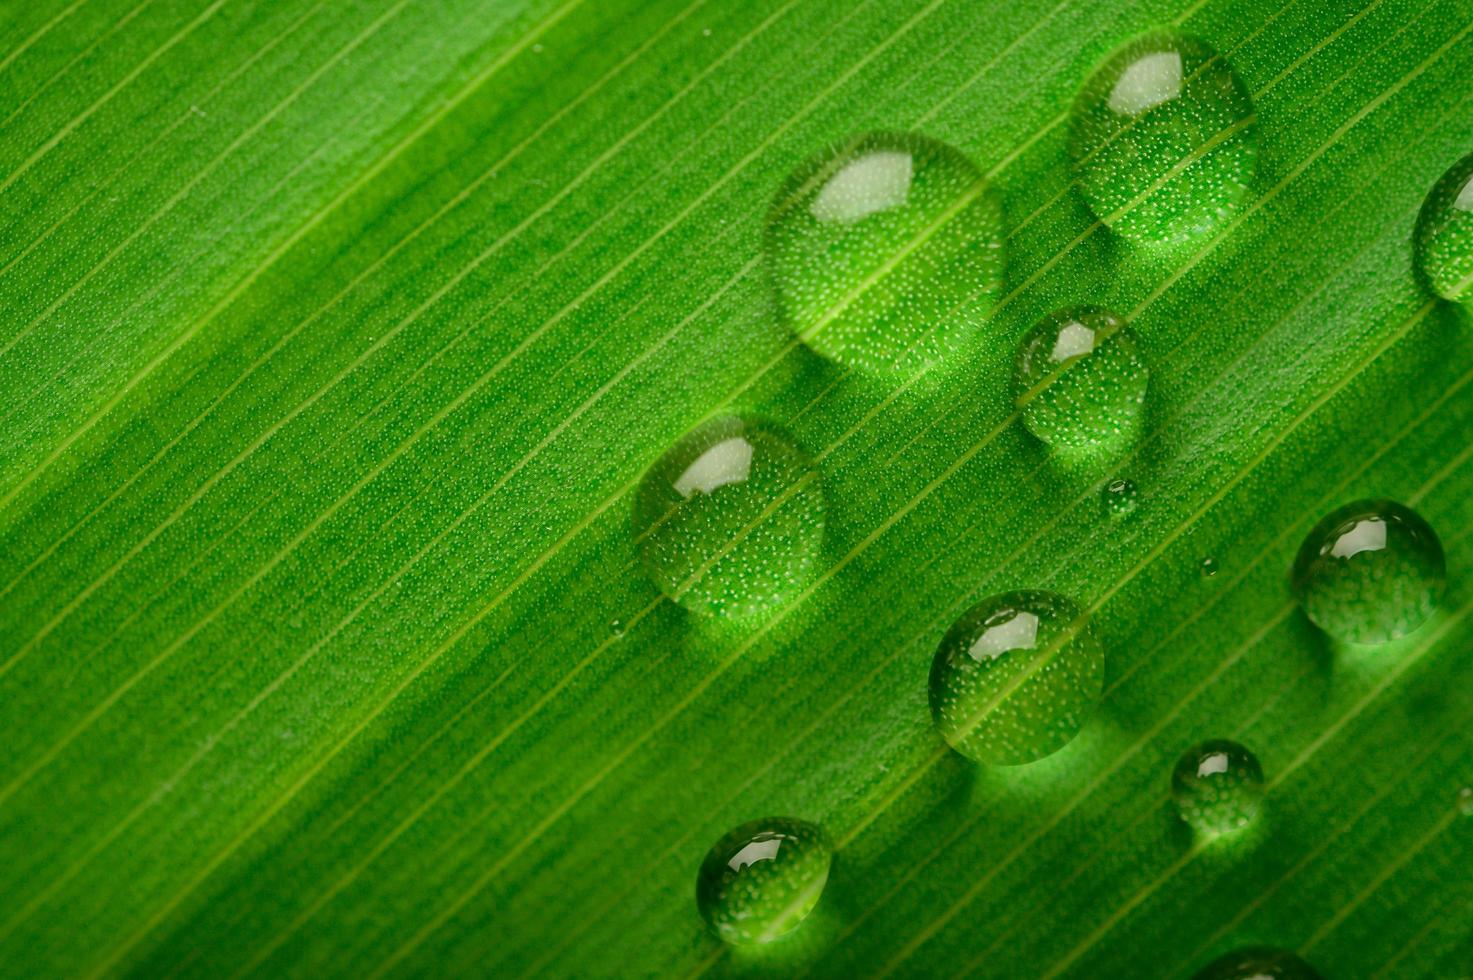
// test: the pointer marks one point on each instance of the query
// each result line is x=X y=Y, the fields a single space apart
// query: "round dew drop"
x=1016 y=678
x=1217 y=787
x=760 y=881
x=1163 y=141
x=1369 y=572
x=1444 y=235
x=1080 y=380
x=1120 y=498
x=1258 y=963
x=730 y=520
x=886 y=251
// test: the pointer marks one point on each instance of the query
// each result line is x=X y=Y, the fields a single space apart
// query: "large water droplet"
x=731 y=518
x=1016 y=677
x=1217 y=786
x=887 y=251
x=1444 y=234
x=1369 y=572
x=1258 y=963
x=1163 y=139
x=1080 y=380
x=762 y=879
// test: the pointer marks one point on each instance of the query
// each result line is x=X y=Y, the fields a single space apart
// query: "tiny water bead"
x=1016 y=678
x=1120 y=498
x=1258 y=963
x=1208 y=566
x=887 y=251
x=731 y=519
x=762 y=879
x=1444 y=236
x=1217 y=786
x=1465 y=801
x=1163 y=140
x=1080 y=381
x=1369 y=572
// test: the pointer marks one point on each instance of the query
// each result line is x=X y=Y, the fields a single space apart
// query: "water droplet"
x=1217 y=786
x=1079 y=379
x=762 y=879
x=1465 y=801
x=1163 y=139
x=617 y=627
x=887 y=251
x=1444 y=237
x=1258 y=963
x=1369 y=572
x=1208 y=566
x=1120 y=498
x=1016 y=677
x=731 y=518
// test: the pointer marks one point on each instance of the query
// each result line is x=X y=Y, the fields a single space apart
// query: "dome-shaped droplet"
x=1016 y=677
x=1120 y=497
x=731 y=518
x=762 y=879
x=1207 y=566
x=1369 y=572
x=1257 y=963
x=887 y=251
x=1080 y=381
x=1217 y=786
x=1163 y=139
x=1444 y=237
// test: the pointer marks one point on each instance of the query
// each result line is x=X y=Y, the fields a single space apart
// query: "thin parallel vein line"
x=1411 y=658
x=38 y=34
x=184 y=117
x=1421 y=936
x=143 y=227
x=66 y=130
x=121 y=23
x=317 y=217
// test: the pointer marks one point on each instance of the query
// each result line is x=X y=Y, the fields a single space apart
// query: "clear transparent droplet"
x=1370 y=572
x=1080 y=380
x=1120 y=497
x=760 y=881
x=887 y=251
x=1208 y=566
x=1258 y=963
x=616 y=627
x=1016 y=677
x=731 y=519
x=1444 y=236
x=1163 y=139
x=1217 y=787
x=1465 y=801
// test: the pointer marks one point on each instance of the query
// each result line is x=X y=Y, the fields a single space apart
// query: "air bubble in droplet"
x=1079 y=380
x=1257 y=963
x=1217 y=786
x=730 y=520
x=1016 y=677
x=1370 y=572
x=760 y=881
x=887 y=251
x=1444 y=235
x=1163 y=140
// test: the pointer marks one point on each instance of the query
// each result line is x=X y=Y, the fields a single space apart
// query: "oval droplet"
x=887 y=251
x=762 y=879
x=1217 y=787
x=1444 y=236
x=1208 y=566
x=1258 y=963
x=1016 y=677
x=1120 y=497
x=1163 y=140
x=730 y=520
x=1370 y=572
x=1080 y=380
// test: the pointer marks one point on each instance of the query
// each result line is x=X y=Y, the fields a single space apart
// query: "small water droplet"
x=617 y=627
x=1016 y=677
x=730 y=520
x=1217 y=786
x=1208 y=566
x=887 y=251
x=1258 y=963
x=1080 y=380
x=762 y=879
x=1120 y=498
x=1163 y=139
x=1465 y=801
x=1444 y=236
x=1369 y=572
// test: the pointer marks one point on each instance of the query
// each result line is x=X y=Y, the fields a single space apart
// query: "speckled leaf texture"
x=335 y=338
